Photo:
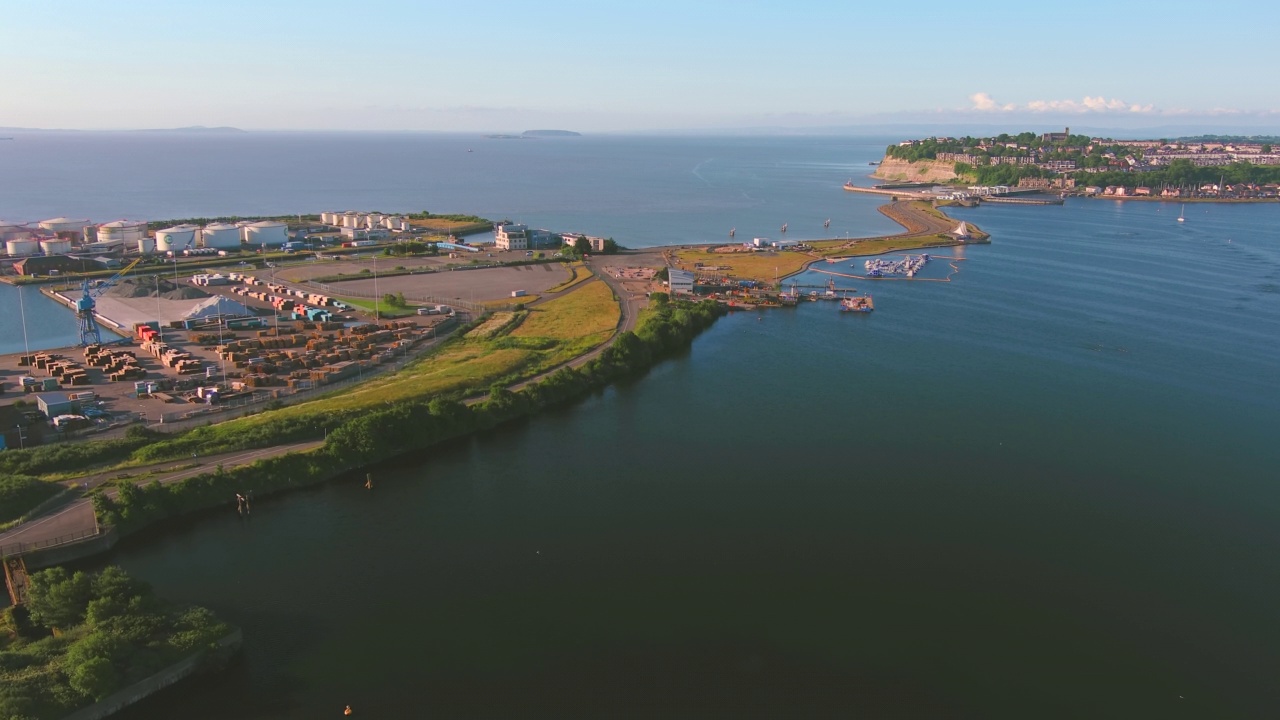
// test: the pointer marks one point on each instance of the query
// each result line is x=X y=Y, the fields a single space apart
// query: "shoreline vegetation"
x=85 y=638
x=414 y=425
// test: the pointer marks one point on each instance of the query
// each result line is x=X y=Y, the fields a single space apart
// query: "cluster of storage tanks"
x=50 y=237
x=364 y=221
x=56 y=236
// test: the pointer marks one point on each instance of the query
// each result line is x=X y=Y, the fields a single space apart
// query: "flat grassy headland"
x=759 y=266
x=924 y=226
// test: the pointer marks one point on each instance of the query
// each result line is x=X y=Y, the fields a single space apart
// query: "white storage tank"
x=351 y=219
x=64 y=225
x=267 y=232
x=14 y=231
x=128 y=231
x=55 y=247
x=22 y=246
x=330 y=217
x=222 y=236
x=177 y=238
x=373 y=220
x=146 y=245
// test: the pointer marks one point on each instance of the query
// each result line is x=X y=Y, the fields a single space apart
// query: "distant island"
x=535 y=134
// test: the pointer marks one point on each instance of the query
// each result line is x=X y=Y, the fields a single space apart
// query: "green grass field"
x=758 y=266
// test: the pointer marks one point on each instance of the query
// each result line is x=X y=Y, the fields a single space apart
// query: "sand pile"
x=136 y=287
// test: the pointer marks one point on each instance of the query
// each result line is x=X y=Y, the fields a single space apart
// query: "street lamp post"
x=159 y=321
x=377 y=299
x=22 y=439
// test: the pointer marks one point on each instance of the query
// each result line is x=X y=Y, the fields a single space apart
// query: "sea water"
x=1043 y=489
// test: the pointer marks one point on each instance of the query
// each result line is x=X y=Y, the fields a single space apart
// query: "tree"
x=95 y=677
x=1266 y=149
x=582 y=246
x=610 y=247
x=58 y=599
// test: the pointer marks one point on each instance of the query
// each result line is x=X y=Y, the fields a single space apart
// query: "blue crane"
x=89 y=333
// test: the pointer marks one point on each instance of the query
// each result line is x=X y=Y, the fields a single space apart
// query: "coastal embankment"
x=918 y=171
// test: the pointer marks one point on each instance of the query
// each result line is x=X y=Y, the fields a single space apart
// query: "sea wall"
x=112 y=704
x=919 y=171
x=72 y=551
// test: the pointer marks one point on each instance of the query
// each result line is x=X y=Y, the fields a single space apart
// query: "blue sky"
x=598 y=66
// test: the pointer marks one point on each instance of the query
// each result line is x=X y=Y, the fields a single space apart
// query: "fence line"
x=20 y=548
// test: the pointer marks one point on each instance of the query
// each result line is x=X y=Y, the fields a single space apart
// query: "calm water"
x=1045 y=489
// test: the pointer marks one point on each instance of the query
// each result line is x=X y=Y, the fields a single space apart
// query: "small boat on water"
x=862 y=304
x=1182 y=214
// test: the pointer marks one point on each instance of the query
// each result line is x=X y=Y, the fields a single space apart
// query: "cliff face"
x=920 y=171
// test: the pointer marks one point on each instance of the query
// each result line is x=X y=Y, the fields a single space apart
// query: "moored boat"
x=857 y=303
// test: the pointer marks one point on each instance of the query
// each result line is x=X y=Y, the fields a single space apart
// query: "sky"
x=633 y=67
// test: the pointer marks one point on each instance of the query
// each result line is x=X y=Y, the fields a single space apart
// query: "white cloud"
x=983 y=102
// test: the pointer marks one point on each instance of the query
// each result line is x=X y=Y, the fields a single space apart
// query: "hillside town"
x=1178 y=168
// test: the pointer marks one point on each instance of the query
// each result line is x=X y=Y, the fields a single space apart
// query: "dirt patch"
x=140 y=287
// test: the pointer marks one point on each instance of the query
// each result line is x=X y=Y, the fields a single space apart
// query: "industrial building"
x=53 y=404
x=511 y=237
x=680 y=281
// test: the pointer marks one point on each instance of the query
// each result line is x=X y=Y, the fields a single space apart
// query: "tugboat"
x=862 y=304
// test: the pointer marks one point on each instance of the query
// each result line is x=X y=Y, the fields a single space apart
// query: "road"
x=77 y=519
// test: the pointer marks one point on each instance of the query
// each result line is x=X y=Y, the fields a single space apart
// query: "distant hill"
x=551 y=133
x=197 y=129
x=190 y=129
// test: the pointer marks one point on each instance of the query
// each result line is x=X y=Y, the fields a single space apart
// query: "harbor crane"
x=89 y=332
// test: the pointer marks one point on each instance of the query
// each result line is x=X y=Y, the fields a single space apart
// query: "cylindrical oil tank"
x=128 y=231
x=22 y=246
x=351 y=219
x=177 y=238
x=222 y=236
x=14 y=231
x=267 y=232
x=146 y=245
x=330 y=217
x=55 y=247
x=64 y=225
